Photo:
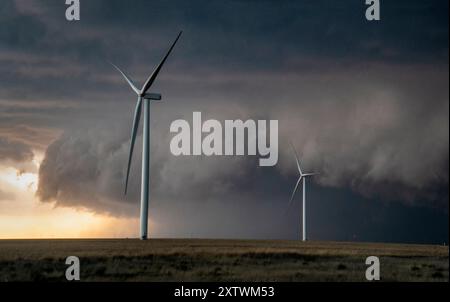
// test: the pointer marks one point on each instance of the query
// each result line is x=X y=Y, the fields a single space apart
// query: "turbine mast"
x=144 y=97
x=304 y=209
x=302 y=176
x=145 y=191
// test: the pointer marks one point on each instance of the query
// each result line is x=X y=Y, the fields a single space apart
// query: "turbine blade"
x=130 y=82
x=296 y=159
x=293 y=192
x=155 y=73
x=137 y=117
x=310 y=174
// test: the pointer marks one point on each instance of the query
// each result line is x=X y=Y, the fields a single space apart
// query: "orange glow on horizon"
x=25 y=217
x=66 y=223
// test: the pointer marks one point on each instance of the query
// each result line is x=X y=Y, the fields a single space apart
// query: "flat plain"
x=218 y=260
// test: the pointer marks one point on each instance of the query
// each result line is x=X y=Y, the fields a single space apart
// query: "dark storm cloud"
x=94 y=159
x=369 y=140
x=16 y=154
x=365 y=103
x=222 y=36
x=15 y=151
x=18 y=31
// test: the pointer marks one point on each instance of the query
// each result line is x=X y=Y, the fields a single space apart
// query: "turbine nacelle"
x=152 y=96
x=308 y=174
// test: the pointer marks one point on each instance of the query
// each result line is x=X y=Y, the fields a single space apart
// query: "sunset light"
x=21 y=181
x=27 y=217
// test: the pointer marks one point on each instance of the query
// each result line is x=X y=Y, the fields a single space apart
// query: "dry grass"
x=218 y=260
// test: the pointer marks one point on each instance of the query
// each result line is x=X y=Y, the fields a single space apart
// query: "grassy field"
x=218 y=260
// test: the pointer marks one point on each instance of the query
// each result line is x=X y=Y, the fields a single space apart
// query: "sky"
x=365 y=103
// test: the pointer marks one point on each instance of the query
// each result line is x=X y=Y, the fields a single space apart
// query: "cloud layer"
x=366 y=105
x=387 y=142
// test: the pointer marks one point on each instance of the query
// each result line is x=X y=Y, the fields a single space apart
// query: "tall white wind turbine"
x=144 y=97
x=302 y=176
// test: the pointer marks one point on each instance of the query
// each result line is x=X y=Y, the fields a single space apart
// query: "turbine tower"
x=144 y=97
x=302 y=176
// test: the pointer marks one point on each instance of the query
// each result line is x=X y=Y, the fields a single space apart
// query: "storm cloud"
x=367 y=105
x=376 y=142
x=14 y=151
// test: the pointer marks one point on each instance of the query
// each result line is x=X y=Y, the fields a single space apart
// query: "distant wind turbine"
x=301 y=176
x=146 y=98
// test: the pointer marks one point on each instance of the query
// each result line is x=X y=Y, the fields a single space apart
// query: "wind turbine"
x=144 y=97
x=302 y=176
